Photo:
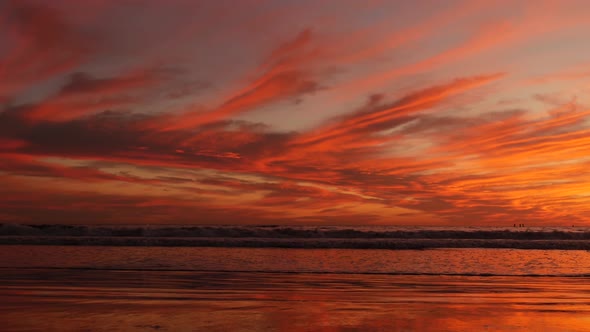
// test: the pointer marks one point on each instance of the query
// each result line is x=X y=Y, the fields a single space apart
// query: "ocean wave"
x=298 y=236
x=305 y=232
x=324 y=243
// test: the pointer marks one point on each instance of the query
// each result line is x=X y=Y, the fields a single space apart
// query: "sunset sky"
x=295 y=112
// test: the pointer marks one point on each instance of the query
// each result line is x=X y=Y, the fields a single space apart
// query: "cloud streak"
x=339 y=119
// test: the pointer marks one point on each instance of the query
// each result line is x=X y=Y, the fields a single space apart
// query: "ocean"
x=278 y=278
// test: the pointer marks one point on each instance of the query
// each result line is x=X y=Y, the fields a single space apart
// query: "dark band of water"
x=304 y=243
x=4 y=269
x=358 y=237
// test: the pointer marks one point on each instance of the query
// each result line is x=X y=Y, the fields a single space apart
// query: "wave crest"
x=297 y=237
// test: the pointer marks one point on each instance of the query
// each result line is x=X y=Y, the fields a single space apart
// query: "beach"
x=294 y=165
x=81 y=288
x=82 y=300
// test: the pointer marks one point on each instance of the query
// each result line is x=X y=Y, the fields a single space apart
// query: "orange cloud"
x=281 y=77
x=296 y=130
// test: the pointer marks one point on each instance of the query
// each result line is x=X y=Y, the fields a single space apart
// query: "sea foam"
x=358 y=237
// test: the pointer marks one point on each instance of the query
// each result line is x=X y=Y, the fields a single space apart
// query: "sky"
x=297 y=112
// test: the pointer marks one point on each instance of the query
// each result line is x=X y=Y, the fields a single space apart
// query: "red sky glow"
x=295 y=112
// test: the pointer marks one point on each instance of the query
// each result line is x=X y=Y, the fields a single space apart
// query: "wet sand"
x=133 y=300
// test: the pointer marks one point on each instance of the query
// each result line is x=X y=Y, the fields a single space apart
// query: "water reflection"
x=80 y=300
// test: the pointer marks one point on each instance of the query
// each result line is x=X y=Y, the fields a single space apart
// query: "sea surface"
x=268 y=288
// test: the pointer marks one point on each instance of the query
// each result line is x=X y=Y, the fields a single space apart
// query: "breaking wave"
x=361 y=237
